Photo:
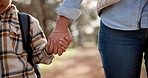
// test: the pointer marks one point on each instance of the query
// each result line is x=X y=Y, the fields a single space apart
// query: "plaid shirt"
x=13 y=58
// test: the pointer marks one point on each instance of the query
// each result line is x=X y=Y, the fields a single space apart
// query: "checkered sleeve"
x=39 y=43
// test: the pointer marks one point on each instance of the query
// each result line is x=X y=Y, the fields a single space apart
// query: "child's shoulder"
x=34 y=23
x=32 y=18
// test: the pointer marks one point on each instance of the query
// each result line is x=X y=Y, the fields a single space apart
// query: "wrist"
x=63 y=18
x=60 y=31
x=47 y=52
x=62 y=24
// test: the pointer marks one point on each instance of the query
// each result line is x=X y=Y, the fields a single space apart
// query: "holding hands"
x=60 y=38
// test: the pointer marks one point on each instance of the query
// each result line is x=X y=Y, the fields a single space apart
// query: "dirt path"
x=85 y=64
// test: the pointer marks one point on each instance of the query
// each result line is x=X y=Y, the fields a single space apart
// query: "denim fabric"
x=121 y=52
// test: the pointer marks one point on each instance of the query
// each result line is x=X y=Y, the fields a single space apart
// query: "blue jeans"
x=122 y=52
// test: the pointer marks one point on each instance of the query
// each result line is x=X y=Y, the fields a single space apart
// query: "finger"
x=59 y=51
x=68 y=40
x=64 y=41
x=63 y=44
x=55 y=48
x=63 y=49
x=46 y=48
x=48 y=45
x=51 y=46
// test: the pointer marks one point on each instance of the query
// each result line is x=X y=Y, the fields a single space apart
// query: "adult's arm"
x=67 y=10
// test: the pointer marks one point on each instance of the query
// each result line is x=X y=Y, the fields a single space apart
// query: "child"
x=13 y=58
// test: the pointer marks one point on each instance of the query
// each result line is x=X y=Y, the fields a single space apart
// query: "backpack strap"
x=24 y=21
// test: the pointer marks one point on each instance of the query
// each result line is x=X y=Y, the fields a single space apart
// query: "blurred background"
x=82 y=59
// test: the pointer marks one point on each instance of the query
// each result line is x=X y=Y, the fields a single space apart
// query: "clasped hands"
x=58 y=42
x=60 y=38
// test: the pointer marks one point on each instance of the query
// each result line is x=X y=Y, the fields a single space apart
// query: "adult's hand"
x=59 y=32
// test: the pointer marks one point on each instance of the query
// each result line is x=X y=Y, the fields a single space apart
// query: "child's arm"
x=38 y=43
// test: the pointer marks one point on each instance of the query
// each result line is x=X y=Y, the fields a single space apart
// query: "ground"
x=85 y=64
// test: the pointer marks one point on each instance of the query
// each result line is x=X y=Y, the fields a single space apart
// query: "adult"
x=122 y=34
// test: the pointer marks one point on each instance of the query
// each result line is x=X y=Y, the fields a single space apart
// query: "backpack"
x=24 y=21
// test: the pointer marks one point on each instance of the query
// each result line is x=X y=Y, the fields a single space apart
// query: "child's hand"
x=63 y=45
